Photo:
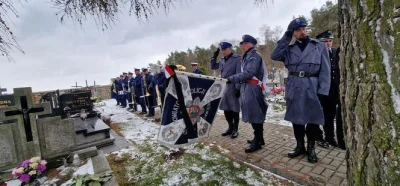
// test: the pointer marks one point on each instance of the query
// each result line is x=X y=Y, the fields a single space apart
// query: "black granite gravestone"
x=75 y=101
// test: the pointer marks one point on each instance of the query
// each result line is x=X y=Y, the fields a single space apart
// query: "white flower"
x=35 y=159
x=32 y=173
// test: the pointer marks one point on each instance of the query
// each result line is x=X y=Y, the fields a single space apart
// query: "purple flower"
x=16 y=175
x=25 y=163
x=41 y=168
x=24 y=178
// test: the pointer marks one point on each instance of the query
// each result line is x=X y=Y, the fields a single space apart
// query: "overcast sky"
x=58 y=55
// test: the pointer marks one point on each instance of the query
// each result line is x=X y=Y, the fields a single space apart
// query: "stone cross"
x=25 y=113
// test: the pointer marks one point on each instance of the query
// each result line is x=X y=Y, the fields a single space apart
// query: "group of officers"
x=142 y=88
x=312 y=88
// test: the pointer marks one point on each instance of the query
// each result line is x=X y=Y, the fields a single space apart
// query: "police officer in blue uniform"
x=121 y=91
x=252 y=100
x=332 y=101
x=159 y=80
x=114 y=92
x=307 y=61
x=195 y=68
x=148 y=99
x=138 y=91
x=129 y=91
x=229 y=65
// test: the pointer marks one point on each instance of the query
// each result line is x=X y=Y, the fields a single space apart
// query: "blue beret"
x=193 y=63
x=136 y=69
x=325 y=35
x=300 y=22
x=249 y=39
x=225 y=45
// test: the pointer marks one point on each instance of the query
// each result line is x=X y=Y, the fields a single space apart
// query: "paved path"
x=330 y=170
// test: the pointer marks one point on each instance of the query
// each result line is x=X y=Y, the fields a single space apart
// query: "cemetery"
x=54 y=130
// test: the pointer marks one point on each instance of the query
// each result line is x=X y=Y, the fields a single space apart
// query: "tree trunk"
x=370 y=89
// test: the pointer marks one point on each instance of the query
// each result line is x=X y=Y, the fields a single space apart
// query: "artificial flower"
x=43 y=162
x=35 y=159
x=25 y=163
x=20 y=170
x=33 y=165
x=24 y=178
x=32 y=173
x=41 y=168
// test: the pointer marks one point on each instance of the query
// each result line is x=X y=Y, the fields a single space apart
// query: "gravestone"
x=6 y=100
x=2 y=90
x=19 y=139
x=75 y=101
x=57 y=137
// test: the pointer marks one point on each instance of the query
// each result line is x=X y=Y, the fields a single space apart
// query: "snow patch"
x=85 y=169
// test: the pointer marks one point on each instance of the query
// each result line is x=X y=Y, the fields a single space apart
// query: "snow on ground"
x=150 y=163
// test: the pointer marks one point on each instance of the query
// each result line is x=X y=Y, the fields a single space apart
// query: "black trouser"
x=300 y=130
x=231 y=117
x=339 y=125
x=258 y=129
x=328 y=104
x=150 y=104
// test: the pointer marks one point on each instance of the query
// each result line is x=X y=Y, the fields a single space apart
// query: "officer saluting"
x=307 y=61
x=229 y=65
x=252 y=101
x=330 y=102
x=195 y=68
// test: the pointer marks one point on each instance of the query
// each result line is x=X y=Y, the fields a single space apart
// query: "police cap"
x=193 y=64
x=325 y=35
x=248 y=39
x=136 y=69
x=225 y=45
x=124 y=73
x=130 y=73
x=144 y=69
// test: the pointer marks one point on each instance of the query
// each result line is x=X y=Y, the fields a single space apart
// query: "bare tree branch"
x=8 y=41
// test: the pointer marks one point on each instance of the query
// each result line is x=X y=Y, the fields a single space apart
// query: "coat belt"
x=304 y=74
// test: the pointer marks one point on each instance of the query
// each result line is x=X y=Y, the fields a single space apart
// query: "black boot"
x=235 y=131
x=299 y=150
x=255 y=145
x=312 y=156
x=262 y=142
x=229 y=131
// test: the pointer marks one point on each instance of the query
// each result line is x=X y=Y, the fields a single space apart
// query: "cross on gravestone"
x=24 y=131
x=76 y=85
x=25 y=111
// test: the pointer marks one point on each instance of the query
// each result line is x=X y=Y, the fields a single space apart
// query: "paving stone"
x=305 y=170
x=335 y=163
x=327 y=173
x=330 y=170
x=342 y=169
x=326 y=161
x=318 y=170
x=335 y=180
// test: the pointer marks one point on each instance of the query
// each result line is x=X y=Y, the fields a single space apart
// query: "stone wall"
x=102 y=92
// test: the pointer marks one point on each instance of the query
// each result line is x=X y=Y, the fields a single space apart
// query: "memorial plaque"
x=76 y=101
x=6 y=101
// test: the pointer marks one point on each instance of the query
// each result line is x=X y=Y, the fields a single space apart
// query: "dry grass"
x=117 y=164
x=117 y=128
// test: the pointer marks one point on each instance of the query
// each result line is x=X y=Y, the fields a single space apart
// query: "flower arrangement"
x=29 y=170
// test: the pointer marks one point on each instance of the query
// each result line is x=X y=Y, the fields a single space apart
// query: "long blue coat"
x=138 y=88
x=254 y=106
x=228 y=68
x=302 y=104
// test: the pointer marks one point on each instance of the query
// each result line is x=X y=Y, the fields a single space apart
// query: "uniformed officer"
x=114 y=92
x=138 y=92
x=129 y=91
x=252 y=101
x=159 y=80
x=148 y=99
x=307 y=61
x=121 y=91
x=330 y=102
x=195 y=68
x=229 y=65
